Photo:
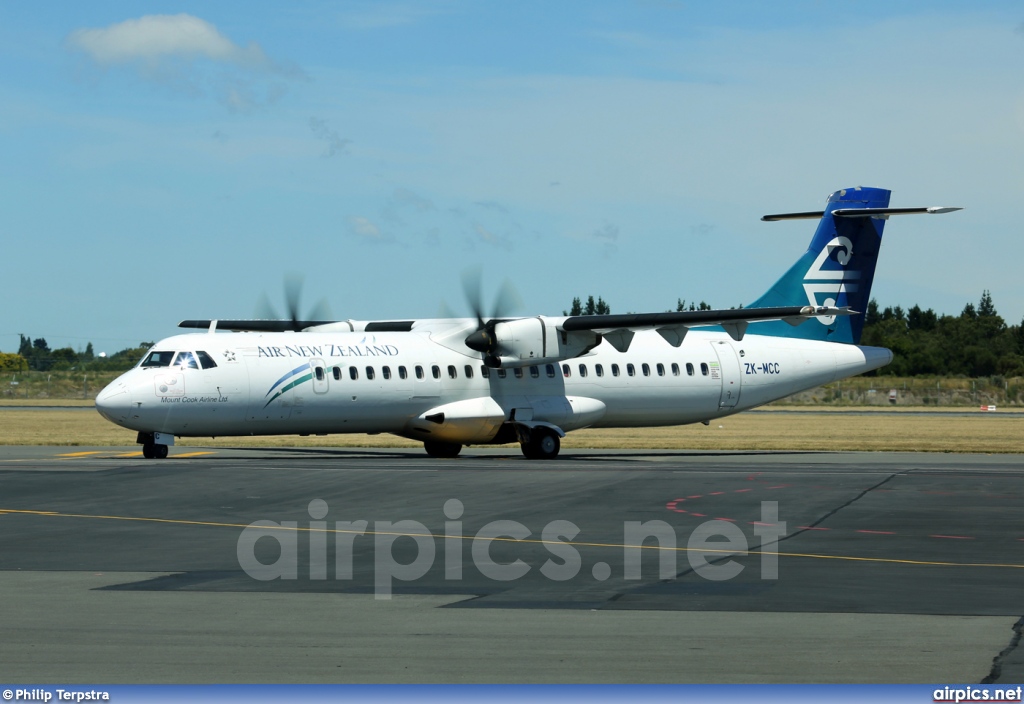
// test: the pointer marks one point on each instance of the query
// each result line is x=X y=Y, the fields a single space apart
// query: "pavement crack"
x=997 y=662
x=762 y=546
x=839 y=508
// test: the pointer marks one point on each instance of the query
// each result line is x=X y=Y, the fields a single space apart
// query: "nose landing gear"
x=152 y=451
x=154 y=445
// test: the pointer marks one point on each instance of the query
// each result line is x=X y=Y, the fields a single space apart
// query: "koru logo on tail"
x=823 y=286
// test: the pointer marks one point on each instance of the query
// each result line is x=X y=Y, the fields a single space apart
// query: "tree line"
x=36 y=355
x=975 y=343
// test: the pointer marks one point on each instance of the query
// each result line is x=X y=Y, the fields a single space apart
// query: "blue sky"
x=161 y=161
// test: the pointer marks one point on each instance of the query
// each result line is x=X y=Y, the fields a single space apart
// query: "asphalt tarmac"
x=601 y=566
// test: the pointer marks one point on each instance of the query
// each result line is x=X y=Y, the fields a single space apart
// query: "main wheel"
x=442 y=449
x=544 y=444
x=161 y=452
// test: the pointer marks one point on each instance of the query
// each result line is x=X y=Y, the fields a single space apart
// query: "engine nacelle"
x=473 y=420
x=529 y=341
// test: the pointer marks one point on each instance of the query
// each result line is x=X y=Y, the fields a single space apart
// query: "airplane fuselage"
x=406 y=384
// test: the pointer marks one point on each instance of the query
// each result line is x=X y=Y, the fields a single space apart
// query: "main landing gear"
x=540 y=443
x=442 y=449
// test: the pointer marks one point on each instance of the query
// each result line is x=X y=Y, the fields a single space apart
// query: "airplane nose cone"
x=115 y=402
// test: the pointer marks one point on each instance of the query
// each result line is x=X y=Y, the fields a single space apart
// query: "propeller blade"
x=444 y=311
x=508 y=301
x=292 y=297
x=471 y=287
x=264 y=309
x=321 y=311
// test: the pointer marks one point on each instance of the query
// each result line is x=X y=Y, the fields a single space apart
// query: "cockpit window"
x=205 y=360
x=158 y=359
x=186 y=360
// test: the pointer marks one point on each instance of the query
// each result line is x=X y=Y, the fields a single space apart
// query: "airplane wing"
x=673 y=326
x=296 y=325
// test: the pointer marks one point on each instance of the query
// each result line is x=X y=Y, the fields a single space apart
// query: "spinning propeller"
x=320 y=312
x=483 y=339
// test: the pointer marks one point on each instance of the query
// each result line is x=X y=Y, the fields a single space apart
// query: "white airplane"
x=463 y=381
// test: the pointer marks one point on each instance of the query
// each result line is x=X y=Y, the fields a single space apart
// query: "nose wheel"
x=152 y=451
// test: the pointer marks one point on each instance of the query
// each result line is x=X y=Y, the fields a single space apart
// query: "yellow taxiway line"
x=620 y=546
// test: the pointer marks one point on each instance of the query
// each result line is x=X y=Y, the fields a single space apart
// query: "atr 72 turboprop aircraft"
x=462 y=381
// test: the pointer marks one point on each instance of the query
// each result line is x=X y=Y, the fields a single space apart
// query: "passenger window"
x=599 y=369
x=385 y=372
x=353 y=373
x=689 y=369
x=369 y=373
x=485 y=371
x=186 y=360
x=469 y=371
x=337 y=373
x=566 y=371
x=158 y=359
x=675 y=369
x=518 y=371
x=647 y=369
x=631 y=370
x=319 y=373
x=205 y=360
x=402 y=373
x=583 y=370
x=535 y=371
x=502 y=373
x=419 y=372
x=436 y=371
x=615 y=370
x=704 y=368
x=661 y=369
x=453 y=373
x=550 y=369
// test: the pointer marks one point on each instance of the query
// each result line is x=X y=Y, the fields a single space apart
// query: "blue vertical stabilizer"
x=836 y=270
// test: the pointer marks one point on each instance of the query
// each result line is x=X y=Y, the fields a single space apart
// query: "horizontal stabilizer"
x=861 y=213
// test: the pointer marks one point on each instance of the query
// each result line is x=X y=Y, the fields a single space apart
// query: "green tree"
x=592 y=307
x=63 y=359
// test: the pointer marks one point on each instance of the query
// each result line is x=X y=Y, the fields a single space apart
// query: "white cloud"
x=189 y=55
x=155 y=37
x=368 y=231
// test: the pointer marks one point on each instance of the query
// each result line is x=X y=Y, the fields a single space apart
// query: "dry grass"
x=779 y=431
x=47 y=402
x=750 y=431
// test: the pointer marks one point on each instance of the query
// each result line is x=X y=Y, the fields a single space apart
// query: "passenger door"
x=729 y=370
